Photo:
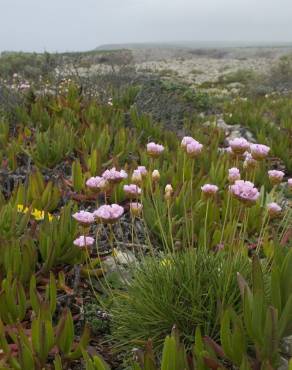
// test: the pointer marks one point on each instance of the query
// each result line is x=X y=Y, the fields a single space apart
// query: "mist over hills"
x=195 y=45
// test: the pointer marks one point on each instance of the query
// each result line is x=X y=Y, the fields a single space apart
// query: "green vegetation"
x=94 y=250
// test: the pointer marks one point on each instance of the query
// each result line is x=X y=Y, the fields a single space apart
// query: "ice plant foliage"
x=154 y=150
x=108 y=213
x=245 y=191
x=275 y=176
x=259 y=151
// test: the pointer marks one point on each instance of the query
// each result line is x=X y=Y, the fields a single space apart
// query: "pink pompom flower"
x=244 y=191
x=249 y=161
x=289 y=183
x=233 y=175
x=142 y=170
x=273 y=209
x=114 y=176
x=108 y=213
x=275 y=176
x=84 y=218
x=154 y=150
x=132 y=191
x=259 y=151
x=194 y=148
x=239 y=145
x=136 y=208
x=209 y=190
x=84 y=241
x=97 y=183
x=186 y=141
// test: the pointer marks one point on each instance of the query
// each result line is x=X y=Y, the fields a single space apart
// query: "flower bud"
x=155 y=176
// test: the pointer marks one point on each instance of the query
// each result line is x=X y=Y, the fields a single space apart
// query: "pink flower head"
x=245 y=191
x=239 y=145
x=233 y=175
x=273 y=209
x=186 y=141
x=132 y=190
x=142 y=170
x=259 y=151
x=194 y=148
x=275 y=176
x=289 y=183
x=96 y=183
x=83 y=217
x=84 y=241
x=209 y=190
x=114 y=176
x=136 y=177
x=109 y=213
x=154 y=150
x=136 y=208
x=249 y=161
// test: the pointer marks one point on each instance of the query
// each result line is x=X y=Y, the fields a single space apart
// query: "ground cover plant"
x=102 y=207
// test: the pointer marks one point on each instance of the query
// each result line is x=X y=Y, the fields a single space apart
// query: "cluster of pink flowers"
x=84 y=218
x=132 y=190
x=259 y=151
x=289 y=183
x=273 y=209
x=139 y=174
x=142 y=170
x=191 y=146
x=109 y=213
x=249 y=161
x=233 y=175
x=245 y=191
x=136 y=208
x=84 y=241
x=97 y=183
x=209 y=190
x=275 y=176
x=154 y=150
x=239 y=145
x=114 y=176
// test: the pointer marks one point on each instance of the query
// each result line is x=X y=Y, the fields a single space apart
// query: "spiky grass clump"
x=188 y=289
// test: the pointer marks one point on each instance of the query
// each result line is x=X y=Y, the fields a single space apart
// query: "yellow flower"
x=38 y=215
x=21 y=208
x=166 y=262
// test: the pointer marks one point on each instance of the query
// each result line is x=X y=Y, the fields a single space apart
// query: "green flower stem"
x=206 y=224
x=225 y=217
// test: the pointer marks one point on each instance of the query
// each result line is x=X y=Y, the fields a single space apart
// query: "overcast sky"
x=63 y=25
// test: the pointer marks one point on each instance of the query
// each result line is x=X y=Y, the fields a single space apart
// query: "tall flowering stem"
x=206 y=224
x=225 y=216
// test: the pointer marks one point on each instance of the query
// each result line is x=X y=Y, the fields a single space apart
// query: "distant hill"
x=193 y=45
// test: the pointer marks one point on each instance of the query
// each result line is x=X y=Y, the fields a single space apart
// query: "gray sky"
x=63 y=25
